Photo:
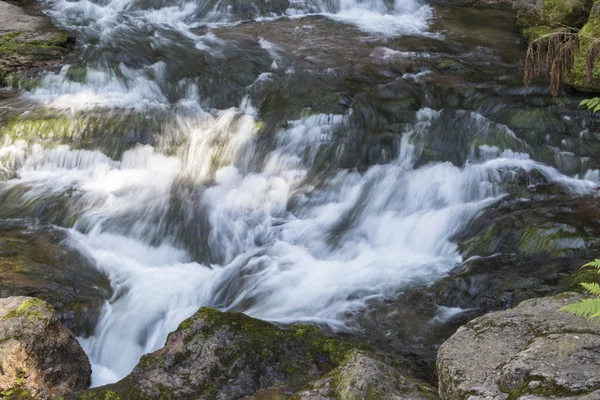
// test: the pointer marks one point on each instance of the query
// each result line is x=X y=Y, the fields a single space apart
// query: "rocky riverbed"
x=365 y=187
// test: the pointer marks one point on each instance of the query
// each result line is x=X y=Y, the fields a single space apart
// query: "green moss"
x=77 y=74
x=557 y=240
x=566 y=12
x=577 y=77
x=18 y=391
x=31 y=308
x=122 y=390
x=10 y=36
x=482 y=245
x=21 y=269
x=535 y=385
x=536 y=32
x=16 y=53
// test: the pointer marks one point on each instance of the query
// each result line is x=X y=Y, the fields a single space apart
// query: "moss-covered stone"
x=552 y=13
x=31 y=308
x=230 y=355
x=577 y=77
x=29 y=43
x=39 y=358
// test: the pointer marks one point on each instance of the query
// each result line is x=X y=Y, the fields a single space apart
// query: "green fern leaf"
x=593 y=288
x=587 y=308
x=595 y=316
x=584 y=102
x=593 y=264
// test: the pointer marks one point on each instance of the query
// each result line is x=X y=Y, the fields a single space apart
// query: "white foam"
x=357 y=237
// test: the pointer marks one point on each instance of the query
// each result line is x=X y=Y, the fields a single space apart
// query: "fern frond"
x=595 y=316
x=593 y=264
x=593 y=288
x=588 y=308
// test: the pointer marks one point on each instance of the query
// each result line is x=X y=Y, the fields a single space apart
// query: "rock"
x=216 y=355
x=475 y=3
x=28 y=42
x=514 y=253
x=363 y=377
x=577 y=77
x=39 y=358
x=533 y=351
x=552 y=13
x=37 y=262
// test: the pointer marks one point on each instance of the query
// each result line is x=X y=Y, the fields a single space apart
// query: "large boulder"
x=216 y=355
x=533 y=351
x=39 y=358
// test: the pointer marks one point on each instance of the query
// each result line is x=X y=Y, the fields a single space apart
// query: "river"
x=295 y=160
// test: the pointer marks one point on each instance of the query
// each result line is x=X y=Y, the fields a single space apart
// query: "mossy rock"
x=35 y=262
x=39 y=358
x=577 y=77
x=228 y=355
x=552 y=13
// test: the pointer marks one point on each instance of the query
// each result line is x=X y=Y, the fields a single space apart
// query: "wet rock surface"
x=28 y=41
x=38 y=262
x=39 y=358
x=533 y=351
x=231 y=356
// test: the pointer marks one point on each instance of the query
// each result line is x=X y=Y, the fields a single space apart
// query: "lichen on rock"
x=231 y=356
x=550 y=354
x=39 y=358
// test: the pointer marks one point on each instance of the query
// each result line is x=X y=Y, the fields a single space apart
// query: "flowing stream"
x=292 y=160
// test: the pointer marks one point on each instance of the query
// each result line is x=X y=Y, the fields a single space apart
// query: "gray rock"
x=475 y=3
x=33 y=41
x=38 y=263
x=364 y=376
x=216 y=355
x=532 y=351
x=39 y=358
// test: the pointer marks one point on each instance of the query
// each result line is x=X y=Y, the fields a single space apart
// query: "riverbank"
x=29 y=43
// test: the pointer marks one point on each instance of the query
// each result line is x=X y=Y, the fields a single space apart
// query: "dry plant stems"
x=552 y=55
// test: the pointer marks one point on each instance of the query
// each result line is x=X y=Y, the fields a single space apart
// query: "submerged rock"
x=514 y=253
x=216 y=355
x=39 y=358
x=533 y=351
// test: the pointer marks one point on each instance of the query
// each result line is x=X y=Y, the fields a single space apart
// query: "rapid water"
x=216 y=204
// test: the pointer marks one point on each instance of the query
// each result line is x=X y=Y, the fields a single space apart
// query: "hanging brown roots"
x=553 y=55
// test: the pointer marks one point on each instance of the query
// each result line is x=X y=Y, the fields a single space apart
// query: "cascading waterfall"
x=211 y=215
